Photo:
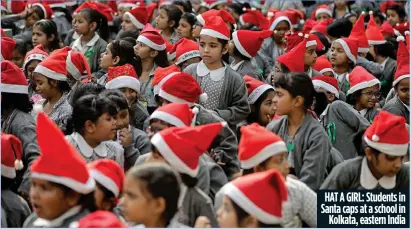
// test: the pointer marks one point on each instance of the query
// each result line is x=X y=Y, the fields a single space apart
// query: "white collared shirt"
x=215 y=75
x=39 y=222
x=211 y=83
x=368 y=181
x=236 y=66
x=340 y=77
x=85 y=148
x=382 y=65
x=363 y=112
x=77 y=43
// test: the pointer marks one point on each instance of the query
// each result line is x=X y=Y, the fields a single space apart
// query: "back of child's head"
x=133 y=33
x=161 y=181
x=161 y=60
x=173 y=13
x=49 y=27
x=238 y=54
x=339 y=28
x=238 y=7
x=125 y=51
x=22 y=48
x=387 y=49
x=86 y=89
x=117 y=97
x=324 y=40
x=190 y=18
x=93 y=16
x=17 y=101
x=186 y=5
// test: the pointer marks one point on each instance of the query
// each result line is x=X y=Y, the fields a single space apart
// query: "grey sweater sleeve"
x=370 y=66
x=8 y=21
x=203 y=177
x=339 y=177
x=206 y=209
x=350 y=117
x=141 y=145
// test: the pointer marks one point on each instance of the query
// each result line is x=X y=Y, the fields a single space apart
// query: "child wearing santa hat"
x=62 y=189
x=32 y=59
x=187 y=52
x=186 y=25
x=16 y=119
x=135 y=19
x=15 y=208
x=381 y=166
x=45 y=33
x=167 y=22
x=322 y=12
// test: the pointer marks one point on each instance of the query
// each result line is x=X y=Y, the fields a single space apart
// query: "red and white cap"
x=216 y=27
x=321 y=9
x=254 y=17
x=359 y=78
x=249 y=42
x=37 y=53
x=14 y=7
x=54 y=66
x=161 y=75
x=182 y=88
x=56 y=3
x=7 y=47
x=350 y=46
x=77 y=65
x=266 y=204
x=138 y=16
x=296 y=17
x=402 y=27
x=276 y=18
x=293 y=39
x=294 y=59
x=176 y=114
x=358 y=32
x=48 y=12
x=322 y=65
x=186 y=50
x=182 y=147
x=257 y=144
x=403 y=62
x=99 y=219
x=171 y=53
x=226 y=16
x=373 y=32
x=67 y=168
x=214 y=3
x=13 y=79
x=330 y=84
x=386 y=29
x=123 y=76
x=384 y=5
x=11 y=154
x=103 y=9
x=309 y=25
x=321 y=27
x=127 y=3
x=150 y=37
x=109 y=174
x=388 y=134
x=255 y=88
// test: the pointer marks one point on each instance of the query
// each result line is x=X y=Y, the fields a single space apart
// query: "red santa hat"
x=321 y=26
x=402 y=27
x=293 y=39
x=99 y=219
x=176 y=114
x=54 y=66
x=276 y=18
x=309 y=25
x=56 y=3
x=216 y=27
x=150 y=10
x=48 y=12
x=330 y=84
x=109 y=174
x=171 y=54
x=388 y=134
x=202 y=18
x=386 y=29
x=11 y=154
x=384 y=5
x=321 y=9
x=182 y=88
x=373 y=32
x=127 y=3
x=150 y=37
x=323 y=65
x=123 y=76
x=249 y=42
x=214 y=3
x=67 y=168
x=161 y=75
x=254 y=17
x=266 y=204
x=403 y=62
x=294 y=59
x=186 y=50
x=37 y=53
x=138 y=16
x=255 y=88
x=359 y=78
x=258 y=144
x=358 y=32
x=182 y=147
x=77 y=65
x=350 y=47
x=14 y=7
x=103 y=9
x=13 y=79
x=296 y=17
x=7 y=47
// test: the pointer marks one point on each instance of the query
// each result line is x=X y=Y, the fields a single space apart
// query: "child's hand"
x=125 y=137
x=202 y=222
x=29 y=10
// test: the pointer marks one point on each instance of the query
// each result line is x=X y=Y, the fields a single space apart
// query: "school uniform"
x=63 y=221
x=70 y=38
x=109 y=149
x=370 y=114
x=147 y=92
x=15 y=208
x=355 y=174
x=370 y=66
x=246 y=67
x=140 y=145
x=342 y=123
x=23 y=34
x=397 y=107
x=334 y=159
x=343 y=84
x=269 y=51
x=313 y=73
x=217 y=176
x=22 y=125
x=139 y=115
x=226 y=90
x=309 y=149
x=63 y=25
x=388 y=68
x=263 y=68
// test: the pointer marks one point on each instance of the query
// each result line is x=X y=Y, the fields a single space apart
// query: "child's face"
x=32 y=19
x=226 y=214
x=142 y=50
x=105 y=128
x=184 y=29
x=322 y=16
x=126 y=23
x=81 y=25
x=44 y=86
x=283 y=101
x=392 y=17
x=278 y=162
x=30 y=69
x=122 y=119
x=130 y=94
x=211 y=50
x=384 y=164
x=369 y=97
x=267 y=110
x=196 y=31
x=403 y=90
x=338 y=56
x=310 y=56
x=106 y=58
x=330 y=74
x=50 y=201
x=122 y=10
x=17 y=58
x=101 y=204
x=162 y=22
x=155 y=127
x=282 y=28
x=39 y=37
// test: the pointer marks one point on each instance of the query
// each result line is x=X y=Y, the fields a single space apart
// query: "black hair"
x=190 y=18
x=189 y=181
x=87 y=201
x=284 y=68
x=352 y=98
x=91 y=16
x=253 y=116
x=335 y=10
x=321 y=103
x=377 y=14
x=173 y=13
x=16 y=101
x=133 y=33
x=237 y=53
x=161 y=181
x=238 y=7
x=125 y=51
x=89 y=107
x=86 y=89
x=130 y=40
x=400 y=10
x=23 y=47
x=117 y=97
x=7 y=183
x=50 y=29
x=108 y=196
x=386 y=50
x=185 y=4
x=324 y=41
x=62 y=86
x=161 y=59
x=39 y=11
x=340 y=28
x=226 y=57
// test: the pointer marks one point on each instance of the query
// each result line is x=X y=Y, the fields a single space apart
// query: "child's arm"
x=350 y=117
x=339 y=178
x=370 y=66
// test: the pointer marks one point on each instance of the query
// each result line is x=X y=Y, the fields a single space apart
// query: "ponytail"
x=91 y=16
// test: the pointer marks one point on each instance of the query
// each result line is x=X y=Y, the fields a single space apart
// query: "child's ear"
x=249 y=222
x=225 y=49
x=171 y=24
x=72 y=198
x=93 y=26
x=368 y=153
x=52 y=37
x=159 y=205
x=89 y=127
x=116 y=60
x=299 y=101
x=53 y=83
x=153 y=53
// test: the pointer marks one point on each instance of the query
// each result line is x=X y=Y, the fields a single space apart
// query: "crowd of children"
x=202 y=113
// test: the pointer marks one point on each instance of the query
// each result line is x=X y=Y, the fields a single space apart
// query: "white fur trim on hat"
x=258 y=92
x=326 y=70
x=326 y=86
x=323 y=10
x=50 y=74
x=168 y=154
x=70 y=183
x=187 y=56
x=347 y=50
x=278 y=20
x=247 y=205
x=172 y=98
x=166 y=117
x=213 y=33
x=71 y=68
x=134 y=21
x=365 y=50
x=239 y=47
x=105 y=181
x=372 y=42
x=156 y=88
x=363 y=85
x=390 y=149
x=400 y=78
x=151 y=44
x=42 y=8
x=13 y=88
x=311 y=43
x=31 y=57
x=9 y=172
x=200 y=19
x=124 y=82
x=171 y=56
x=264 y=154
x=128 y=5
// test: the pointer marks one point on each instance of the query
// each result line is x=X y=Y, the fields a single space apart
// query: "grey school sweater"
x=311 y=149
x=63 y=221
x=248 y=68
x=141 y=145
x=93 y=53
x=397 y=107
x=342 y=123
x=15 y=207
